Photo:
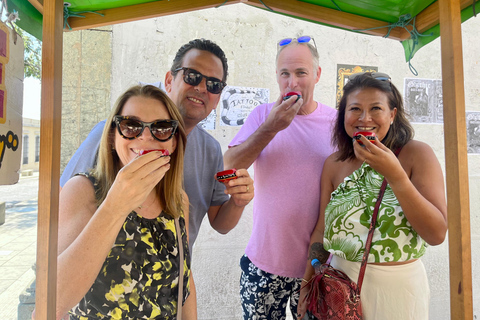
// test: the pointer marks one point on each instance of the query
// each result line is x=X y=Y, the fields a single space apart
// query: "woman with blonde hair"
x=118 y=254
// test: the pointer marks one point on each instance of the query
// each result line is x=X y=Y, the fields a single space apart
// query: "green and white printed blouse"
x=348 y=216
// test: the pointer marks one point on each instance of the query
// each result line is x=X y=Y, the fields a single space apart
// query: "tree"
x=33 y=55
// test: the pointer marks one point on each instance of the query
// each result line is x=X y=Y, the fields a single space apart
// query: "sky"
x=31 y=98
x=31 y=94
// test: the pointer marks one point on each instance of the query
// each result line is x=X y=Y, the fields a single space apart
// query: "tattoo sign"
x=209 y=122
x=238 y=102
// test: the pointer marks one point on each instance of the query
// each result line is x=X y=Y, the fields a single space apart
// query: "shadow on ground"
x=21 y=214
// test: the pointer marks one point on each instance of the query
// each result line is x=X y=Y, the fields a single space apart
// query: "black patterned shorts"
x=264 y=295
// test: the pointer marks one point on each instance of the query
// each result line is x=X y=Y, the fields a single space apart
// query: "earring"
x=391 y=123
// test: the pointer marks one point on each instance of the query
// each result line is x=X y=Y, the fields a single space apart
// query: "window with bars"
x=25 y=149
x=37 y=148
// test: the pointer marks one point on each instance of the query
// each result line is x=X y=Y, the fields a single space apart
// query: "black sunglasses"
x=193 y=78
x=161 y=130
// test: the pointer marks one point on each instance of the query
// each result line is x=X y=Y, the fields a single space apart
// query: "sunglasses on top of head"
x=193 y=78
x=302 y=39
x=161 y=130
x=375 y=75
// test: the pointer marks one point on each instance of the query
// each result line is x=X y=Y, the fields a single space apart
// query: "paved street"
x=17 y=242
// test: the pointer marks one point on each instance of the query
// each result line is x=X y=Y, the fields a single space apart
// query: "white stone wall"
x=144 y=50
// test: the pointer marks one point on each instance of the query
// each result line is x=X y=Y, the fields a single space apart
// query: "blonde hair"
x=170 y=188
x=313 y=51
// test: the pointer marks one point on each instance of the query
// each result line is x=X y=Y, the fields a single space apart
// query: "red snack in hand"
x=224 y=176
x=292 y=93
x=165 y=152
x=367 y=134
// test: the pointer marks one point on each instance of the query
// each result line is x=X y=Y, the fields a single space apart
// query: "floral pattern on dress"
x=139 y=278
x=348 y=216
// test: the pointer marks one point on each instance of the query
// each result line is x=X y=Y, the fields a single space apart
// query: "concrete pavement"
x=18 y=238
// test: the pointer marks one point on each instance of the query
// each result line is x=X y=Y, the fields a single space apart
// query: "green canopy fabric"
x=390 y=11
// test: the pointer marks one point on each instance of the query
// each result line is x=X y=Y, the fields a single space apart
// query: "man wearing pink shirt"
x=287 y=142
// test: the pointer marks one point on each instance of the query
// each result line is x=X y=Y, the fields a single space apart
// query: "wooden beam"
x=48 y=185
x=141 y=11
x=38 y=4
x=430 y=17
x=461 y=303
x=327 y=16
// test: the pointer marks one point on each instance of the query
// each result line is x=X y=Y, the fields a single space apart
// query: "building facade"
x=30 y=146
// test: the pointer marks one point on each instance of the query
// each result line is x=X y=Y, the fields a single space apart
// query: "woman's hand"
x=380 y=158
x=302 y=302
x=136 y=180
x=419 y=188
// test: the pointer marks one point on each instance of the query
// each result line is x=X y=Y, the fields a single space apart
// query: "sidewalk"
x=18 y=237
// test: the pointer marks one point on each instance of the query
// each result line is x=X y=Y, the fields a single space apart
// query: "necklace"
x=142 y=207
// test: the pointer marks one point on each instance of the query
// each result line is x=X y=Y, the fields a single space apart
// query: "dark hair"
x=200 y=44
x=400 y=131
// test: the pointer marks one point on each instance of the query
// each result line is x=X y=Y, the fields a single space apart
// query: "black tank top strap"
x=89 y=177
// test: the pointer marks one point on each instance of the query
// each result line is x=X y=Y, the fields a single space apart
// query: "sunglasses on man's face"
x=193 y=78
x=161 y=130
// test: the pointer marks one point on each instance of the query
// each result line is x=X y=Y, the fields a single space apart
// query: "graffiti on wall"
x=10 y=141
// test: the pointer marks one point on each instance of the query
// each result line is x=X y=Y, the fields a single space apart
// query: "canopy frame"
x=445 y=12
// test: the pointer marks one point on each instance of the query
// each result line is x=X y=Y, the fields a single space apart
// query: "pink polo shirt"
x=287 y=189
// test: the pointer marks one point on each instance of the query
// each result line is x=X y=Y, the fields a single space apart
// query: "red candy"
x=367 y=134
x=292 y=93
x=224 y=176
x=164 y=152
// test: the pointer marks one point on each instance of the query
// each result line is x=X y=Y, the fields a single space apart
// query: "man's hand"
x=282 y=114
x=241 y=189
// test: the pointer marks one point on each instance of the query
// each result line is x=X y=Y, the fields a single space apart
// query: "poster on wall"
x=236 y=103
x=473 y=131
x=11 y=107
x=343 y=71
x=424 y=100
x=209 y=122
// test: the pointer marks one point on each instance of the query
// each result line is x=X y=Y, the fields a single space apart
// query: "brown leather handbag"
x=333 y=295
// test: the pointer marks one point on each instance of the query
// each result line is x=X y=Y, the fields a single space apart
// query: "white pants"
x=398 y=292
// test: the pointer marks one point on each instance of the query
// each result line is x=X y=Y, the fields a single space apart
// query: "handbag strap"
x=180 y=273
x=368 y=244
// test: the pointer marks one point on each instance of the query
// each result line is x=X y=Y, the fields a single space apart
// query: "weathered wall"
x=87 y=65
x=143 y=51
x=11 y=106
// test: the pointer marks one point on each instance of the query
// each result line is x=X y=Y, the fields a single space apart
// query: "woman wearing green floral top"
x=413 y=212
